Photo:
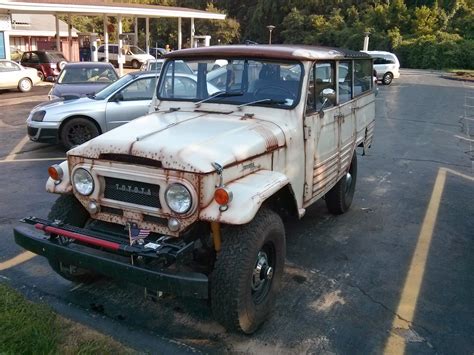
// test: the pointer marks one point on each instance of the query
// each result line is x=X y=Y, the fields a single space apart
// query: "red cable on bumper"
x=83 y=238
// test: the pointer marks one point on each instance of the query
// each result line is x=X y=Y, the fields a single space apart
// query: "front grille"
x=139 y=193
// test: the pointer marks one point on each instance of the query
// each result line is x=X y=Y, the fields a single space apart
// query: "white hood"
x=188 y=141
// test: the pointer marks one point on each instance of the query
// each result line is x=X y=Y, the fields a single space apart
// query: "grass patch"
x=29 y=328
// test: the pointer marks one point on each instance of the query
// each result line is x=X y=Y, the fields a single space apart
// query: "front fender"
x=64 y=187
x=249 y=193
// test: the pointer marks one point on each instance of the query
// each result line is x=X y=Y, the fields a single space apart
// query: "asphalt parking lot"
x=394 y=275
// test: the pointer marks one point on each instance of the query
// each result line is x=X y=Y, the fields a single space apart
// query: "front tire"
x=77 y=131
x=248 y=271
x=25 y=85
x=69 y=210
x=135 y=64
x=387 y=78
x=339 y=198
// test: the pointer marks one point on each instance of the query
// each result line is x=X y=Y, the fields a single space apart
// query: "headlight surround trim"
x=178 y=190
x=85 y=186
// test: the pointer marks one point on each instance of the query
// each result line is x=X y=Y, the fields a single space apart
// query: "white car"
x=387 y=66
x=15 y=76
x=156 y=64
x=134 y=56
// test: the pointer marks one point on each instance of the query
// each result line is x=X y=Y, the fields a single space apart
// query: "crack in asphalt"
x=411 y=325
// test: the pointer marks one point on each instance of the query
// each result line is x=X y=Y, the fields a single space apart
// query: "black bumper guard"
x=181 y=283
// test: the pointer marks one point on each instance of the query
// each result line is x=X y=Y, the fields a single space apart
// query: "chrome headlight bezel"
x=174 y=195
x=88 y=184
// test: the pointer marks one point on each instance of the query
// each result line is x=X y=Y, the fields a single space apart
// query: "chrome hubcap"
x=262 y=272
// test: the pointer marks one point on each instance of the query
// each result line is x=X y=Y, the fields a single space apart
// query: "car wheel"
x=387 y=78
x=77 y=131
x=25 y=85
x=248 y=271
x=339 y=198
x=135 y=64
x=69 y=210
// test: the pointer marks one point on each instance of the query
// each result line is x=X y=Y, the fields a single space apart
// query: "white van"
x=134 y=56
x=387 y=66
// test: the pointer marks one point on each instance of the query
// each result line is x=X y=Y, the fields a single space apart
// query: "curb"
x=456 y=78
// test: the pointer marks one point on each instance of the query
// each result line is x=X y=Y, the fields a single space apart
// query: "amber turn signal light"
x=55 y=172
x=222 y=196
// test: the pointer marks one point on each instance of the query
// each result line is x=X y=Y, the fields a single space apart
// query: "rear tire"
x=387 y=78
x=339 y=198
x=77 y=131
x=247 y=272
x=69 y=210
x=25 y=85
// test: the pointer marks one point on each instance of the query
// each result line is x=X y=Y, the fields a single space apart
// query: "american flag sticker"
x=135 y=233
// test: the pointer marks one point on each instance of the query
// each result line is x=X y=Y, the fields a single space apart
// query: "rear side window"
x=101 y=49
x=345 y=81
x=362 y=76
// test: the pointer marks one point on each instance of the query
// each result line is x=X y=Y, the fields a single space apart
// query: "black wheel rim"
x=262 y=273
x=79 y=134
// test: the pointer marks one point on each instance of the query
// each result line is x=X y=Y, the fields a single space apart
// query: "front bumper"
x=185 y=284
x=43 y=133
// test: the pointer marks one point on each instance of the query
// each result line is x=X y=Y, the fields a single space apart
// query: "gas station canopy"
x=98 y=7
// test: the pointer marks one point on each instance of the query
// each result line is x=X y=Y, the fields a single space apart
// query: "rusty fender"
x=249 y=193
x=64 y=187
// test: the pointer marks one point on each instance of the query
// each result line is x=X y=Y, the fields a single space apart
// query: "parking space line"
x=19 y=259
x=17 y=148
x=411 y=290
x=31 y=160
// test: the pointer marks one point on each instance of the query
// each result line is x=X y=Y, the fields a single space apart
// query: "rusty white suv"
x=189 y=199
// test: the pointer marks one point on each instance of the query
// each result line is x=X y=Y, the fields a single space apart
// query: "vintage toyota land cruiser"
x=190 y=198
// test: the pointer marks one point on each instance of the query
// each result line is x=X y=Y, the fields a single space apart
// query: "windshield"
x=108 y=90
x=82 y=75
x=136 y=50
x=240 y=81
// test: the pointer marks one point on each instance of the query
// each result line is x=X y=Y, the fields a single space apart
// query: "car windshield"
x=108 y=90
x=239 y=82
x=83 y=75
x=136 y=50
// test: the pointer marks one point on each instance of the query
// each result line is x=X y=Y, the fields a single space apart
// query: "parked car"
x=74 y=121
x=48 y=63
x=15 y=76
x=156 y=64
x=157 y=52
x=387 y=66
x=83 y=78
x=189 y=199
x=134 y=56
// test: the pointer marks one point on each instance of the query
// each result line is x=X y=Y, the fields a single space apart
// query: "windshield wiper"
x=270 y=101
x=218 y=95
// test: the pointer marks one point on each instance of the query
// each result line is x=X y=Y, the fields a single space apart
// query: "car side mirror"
x=329 y=97
x=117 y=97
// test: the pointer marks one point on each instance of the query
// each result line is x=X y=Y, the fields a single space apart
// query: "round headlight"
x=178 y=198
x=83 y=181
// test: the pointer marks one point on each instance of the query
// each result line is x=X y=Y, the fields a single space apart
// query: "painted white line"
x=17 y=148
x=464 y=138
x=31 y=160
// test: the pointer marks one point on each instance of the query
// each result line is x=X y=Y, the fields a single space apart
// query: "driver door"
x=321 y=132
x=130 y=102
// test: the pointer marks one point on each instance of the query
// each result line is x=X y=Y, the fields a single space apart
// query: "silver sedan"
x=75 y=121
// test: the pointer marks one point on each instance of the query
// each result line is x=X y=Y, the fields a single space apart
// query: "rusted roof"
x=274 y=51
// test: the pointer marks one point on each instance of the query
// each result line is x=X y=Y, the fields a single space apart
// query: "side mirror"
x=117 y=97
x=328 y=96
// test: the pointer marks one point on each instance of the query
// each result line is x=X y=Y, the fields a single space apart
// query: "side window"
x=142 y=89
x=101 y=49
x=26 y=58
x=183 y=88
x=345 y=81
x=34 y=58
x=322 y=88
x=113 y=49
x=378 y=61
x=362 y=76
